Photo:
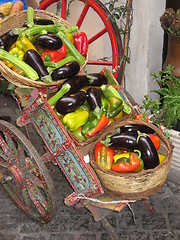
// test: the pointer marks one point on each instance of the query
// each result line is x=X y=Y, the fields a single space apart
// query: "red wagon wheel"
x=107 y=30
x=24 y=176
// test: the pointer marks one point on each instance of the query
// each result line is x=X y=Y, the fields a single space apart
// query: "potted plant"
x=165 y=112
x=170 y=22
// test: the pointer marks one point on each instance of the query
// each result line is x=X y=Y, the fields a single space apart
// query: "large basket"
x=134 y=186
x=16 y=21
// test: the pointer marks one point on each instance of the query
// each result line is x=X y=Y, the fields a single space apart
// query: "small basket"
x=134 y=186
x=16 y=21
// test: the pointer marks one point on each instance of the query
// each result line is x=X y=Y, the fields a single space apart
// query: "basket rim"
x=141 y=173
x=7 y=73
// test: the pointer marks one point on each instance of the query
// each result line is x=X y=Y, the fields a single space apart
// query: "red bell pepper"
x=156 y=140
x=103 y=121
x=126 y=164
x=54 y=55
x=81 y=42
x=103 y=155
x=142 y=116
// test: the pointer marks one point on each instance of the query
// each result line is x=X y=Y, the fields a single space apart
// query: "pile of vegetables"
x=44 y=50
x=89 y=105
x=8 y=8
x=130 y=149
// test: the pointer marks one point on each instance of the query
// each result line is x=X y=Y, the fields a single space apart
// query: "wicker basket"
x=134 y=186
x=16 y=21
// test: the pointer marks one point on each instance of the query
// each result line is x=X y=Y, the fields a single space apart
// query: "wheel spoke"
x=35 y=180
x=63 y=9
x=97 y=35
x=4 y=159
x=26 y=199
x=82 y=16
x=37 y=198
x=11 y=145
x=21 y=156
x=5 y=149
x=96 y=62
x=3 y=163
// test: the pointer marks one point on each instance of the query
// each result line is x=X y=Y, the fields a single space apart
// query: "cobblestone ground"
x=78 y=224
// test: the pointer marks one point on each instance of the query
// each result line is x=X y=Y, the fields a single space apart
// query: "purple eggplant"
x=148 y=151
x=7 y=39
x=93 y=98
x=136 y=127
x=69 y=103
x=68 y=70
x=97 y=79
x=126 y=141
x=48 y=41
x=40 y=21
x=33 y=59
x=76 y=83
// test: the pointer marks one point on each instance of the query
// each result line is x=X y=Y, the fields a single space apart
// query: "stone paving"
x=78 y=224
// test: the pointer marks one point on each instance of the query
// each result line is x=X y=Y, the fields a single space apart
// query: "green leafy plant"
x=165 y=110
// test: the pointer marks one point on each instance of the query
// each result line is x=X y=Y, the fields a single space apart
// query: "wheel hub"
x=16 y=174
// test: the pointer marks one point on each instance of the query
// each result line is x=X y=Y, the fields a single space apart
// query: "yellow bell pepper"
x=70 y=38
x=121 y=155
x=161 y=158
x=17 y=52
x=24 y=44
x=75 y=119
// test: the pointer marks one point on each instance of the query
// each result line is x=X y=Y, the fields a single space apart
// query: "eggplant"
x=69 y=103
x=40 y=21
x=148 y=151
x=97 y=79
x=48 y=41
x=43 y=21
x=93 y=98
x=136 y=127
x=126 y=141
x=76 y=83
x=68 y=70
x=33 y=59
x=7 y=39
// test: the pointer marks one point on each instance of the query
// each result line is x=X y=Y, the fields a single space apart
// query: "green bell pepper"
x=115 y=106
x=90 y=124
x=112 y=92
x=114 y=102
x=94 y=125
x=104 y=105
x=115 y=112
x=78 y=134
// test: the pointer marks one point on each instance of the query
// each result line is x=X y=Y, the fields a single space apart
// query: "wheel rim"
x=109 y=27
x=24 y=176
